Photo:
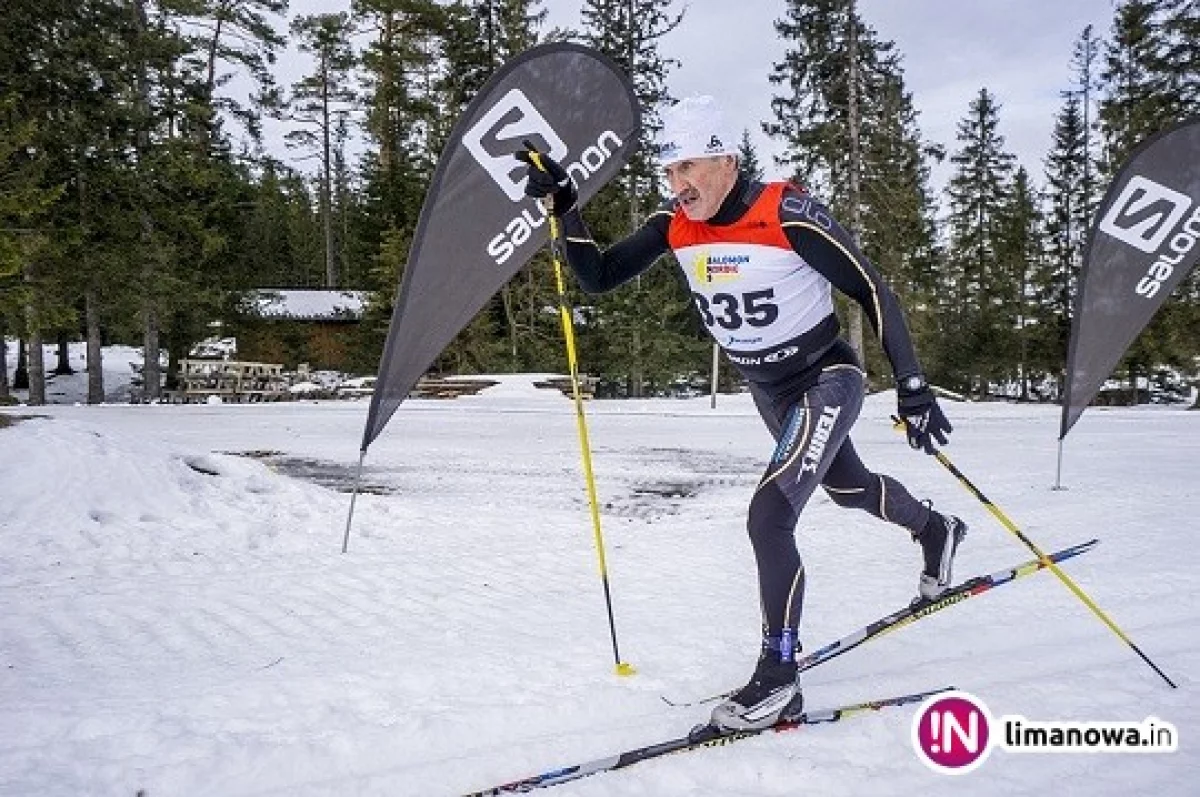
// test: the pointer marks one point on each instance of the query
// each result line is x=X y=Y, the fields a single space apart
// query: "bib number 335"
x=730 y=311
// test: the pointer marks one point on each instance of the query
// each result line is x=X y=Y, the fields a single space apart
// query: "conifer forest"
x=157 y=164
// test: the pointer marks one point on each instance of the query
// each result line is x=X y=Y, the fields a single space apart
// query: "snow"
x=177 y=618
x=309 y=305
x=118 y=363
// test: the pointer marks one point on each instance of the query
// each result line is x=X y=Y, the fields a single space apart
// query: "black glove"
x=547 y=179
x=924 y=420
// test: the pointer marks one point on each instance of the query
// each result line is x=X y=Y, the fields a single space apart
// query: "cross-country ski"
x=917 y=610
x=698 y=738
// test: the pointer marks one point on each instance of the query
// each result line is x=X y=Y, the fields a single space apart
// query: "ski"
x=917 y=610
x=701 y=736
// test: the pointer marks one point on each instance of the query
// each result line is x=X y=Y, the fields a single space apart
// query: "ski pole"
x=1049 y=563
x=568 y=327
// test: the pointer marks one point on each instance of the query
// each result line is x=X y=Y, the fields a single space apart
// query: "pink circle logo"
x=951 y=732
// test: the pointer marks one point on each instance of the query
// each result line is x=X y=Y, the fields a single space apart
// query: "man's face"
x=701 y=184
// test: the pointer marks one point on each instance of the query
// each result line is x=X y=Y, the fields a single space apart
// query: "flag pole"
x=716 y=364
x=353 y=497
x=568 y=326
x=1058 y=469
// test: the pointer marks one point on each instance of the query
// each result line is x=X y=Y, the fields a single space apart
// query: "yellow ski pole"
x=1049 y=563
x=568 y=326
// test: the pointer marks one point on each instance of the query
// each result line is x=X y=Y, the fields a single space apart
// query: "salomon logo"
x=1177 y=249
x=1145 y=214
x=498 y=134
x=520 y=229
x=495 y=139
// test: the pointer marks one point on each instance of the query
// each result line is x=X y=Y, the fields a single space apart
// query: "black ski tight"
x=813 y=448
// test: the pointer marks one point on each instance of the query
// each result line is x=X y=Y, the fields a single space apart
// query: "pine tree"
x=850 y=133
x=238 y=35
x=23 y=194
x=318 y=101
x=1181 y=55
x=1085 y=61
x=978 y=192
x=399 y=116
x=24 y=200
x=188 y=189
x=629 y=32
x=484 y=35
x=1136 y=103
x=402 y=125
x=643 y=337
x=1009 y=314
x=1067 y=225
x=1073 y=193
x=812 y=112
x=77 y=104
x=748 y=162
x=898 y=228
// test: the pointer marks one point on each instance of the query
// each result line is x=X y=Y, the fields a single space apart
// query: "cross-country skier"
x=761 y=260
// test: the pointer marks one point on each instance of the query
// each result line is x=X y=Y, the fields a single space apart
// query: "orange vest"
x=751 y=288
x=759 y=225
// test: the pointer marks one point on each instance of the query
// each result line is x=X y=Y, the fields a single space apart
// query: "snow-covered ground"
x=177 y=618
x=118 y=362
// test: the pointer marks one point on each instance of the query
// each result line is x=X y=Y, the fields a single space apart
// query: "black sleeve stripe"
x=851 y=258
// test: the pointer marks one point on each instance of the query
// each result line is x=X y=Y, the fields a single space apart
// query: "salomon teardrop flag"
x=1146 y=240
x=477 y=228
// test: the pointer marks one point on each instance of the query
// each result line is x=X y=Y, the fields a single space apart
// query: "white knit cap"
x=695 y=127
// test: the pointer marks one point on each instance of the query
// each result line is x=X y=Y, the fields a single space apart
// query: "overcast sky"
x=1019 y=49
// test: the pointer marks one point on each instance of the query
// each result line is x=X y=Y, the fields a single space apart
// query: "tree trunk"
x=37 y=370
x=176 y=354
x=210 y=82
x=856 y=222
x=36 y=375
x=151 y=378
x=331 y=276
x=95 y=352
x=21 y=375
x=3 y=362
x=637 y=374
x=151 y=351
x=5 y=385
x=63 y=366
x=510 y=319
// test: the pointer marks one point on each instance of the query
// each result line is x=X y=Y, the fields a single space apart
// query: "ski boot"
x=773 y=693
x=939 y=541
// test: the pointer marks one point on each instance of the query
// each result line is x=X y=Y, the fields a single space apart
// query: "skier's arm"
x=597 y=271
x=824 y=245
x=829 y=249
